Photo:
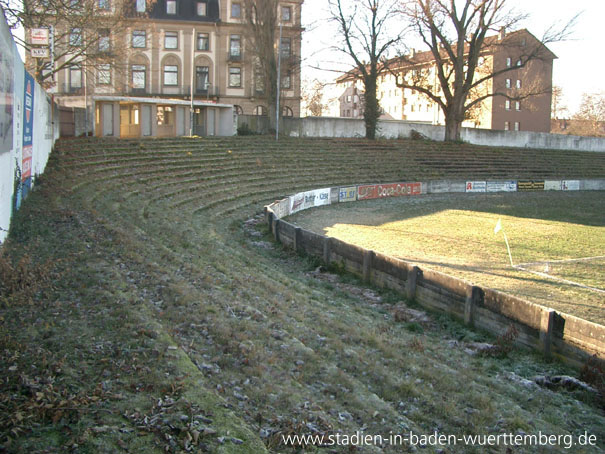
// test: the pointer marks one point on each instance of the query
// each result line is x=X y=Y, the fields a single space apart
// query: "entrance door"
x=107 y=119
x=146 y=119
x=180 y=121
x=210 y=124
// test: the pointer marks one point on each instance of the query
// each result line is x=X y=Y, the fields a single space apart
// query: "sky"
x=580 y=67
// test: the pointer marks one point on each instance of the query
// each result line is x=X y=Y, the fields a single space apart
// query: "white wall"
x=389 y=129
x=45 y=132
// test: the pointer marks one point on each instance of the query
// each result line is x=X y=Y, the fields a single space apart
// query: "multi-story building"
x=512 y=108
x=180 y=57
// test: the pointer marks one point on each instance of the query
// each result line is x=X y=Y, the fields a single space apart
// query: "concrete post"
x=276 y=229
x=327 y=249
x=547 y=323
x=410 y=284
x=297 y=239
x=474 y=296
x=368 y=257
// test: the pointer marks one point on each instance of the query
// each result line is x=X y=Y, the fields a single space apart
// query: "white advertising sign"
x=570 y=185
x=501 y=186
x=39 y=52
x=552 y=185
x=308 y=199
x=476 y=186
x=39 y=36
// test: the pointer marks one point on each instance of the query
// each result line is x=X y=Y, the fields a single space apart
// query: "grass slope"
x=151 y=318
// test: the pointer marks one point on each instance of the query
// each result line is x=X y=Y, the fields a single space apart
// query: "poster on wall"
x=476 y=186
x=28 y=133
x=379 y=191
x=7 y=82
x=304 y=200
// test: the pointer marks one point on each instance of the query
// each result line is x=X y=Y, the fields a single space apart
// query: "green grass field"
x=155 y=313
x=455 y=234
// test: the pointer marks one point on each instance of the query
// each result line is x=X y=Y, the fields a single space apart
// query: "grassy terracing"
x=163 y=321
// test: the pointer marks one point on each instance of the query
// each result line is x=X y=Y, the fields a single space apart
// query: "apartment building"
x=511 y=109
x=178 y=57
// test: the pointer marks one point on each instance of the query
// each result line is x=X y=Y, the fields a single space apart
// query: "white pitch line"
x=564 y=281
x=546 y=262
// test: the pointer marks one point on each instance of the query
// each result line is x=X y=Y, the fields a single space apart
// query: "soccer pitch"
x=557 y=241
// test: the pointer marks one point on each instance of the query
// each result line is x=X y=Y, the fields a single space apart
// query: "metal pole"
x=85 y=99
x=278 y=84
x=192 y=81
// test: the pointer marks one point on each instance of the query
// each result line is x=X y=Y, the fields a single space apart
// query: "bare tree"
x=83 y=32
x=456 y=32
x=558 y=108
x=312 y=98
x=263 y=48
x=368 y=31
x=590 y=118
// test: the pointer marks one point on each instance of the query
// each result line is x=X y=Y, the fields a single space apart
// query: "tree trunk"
x=371 y=112
x=454 y=116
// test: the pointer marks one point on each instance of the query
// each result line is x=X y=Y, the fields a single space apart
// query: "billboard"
x=530 y=185
x=476 y=186
x=309 y=199
x=39 y=36
x=7 y=83
x=570 y=185
x=348 y=194
x=501 y=186
x=28 y=134
x=552 y=185
x=379 y=191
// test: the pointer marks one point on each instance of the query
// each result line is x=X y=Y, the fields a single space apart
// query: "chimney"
x=501 y=34
x=412 y=52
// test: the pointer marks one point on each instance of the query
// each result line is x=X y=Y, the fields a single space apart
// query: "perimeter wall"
x=557 y=334
x=394 y=129
x=29 y=127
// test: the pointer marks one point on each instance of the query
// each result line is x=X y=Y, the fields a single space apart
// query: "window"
x=139 y=39
x=103 y=4
x=287 y=112
x=509 y=62
x=140 y=6
x=348 y=98
x=139 y=73
x=518 y=83
x=165 y=115
x=201 y=78
x=506 y=126
x=286 y=13
x=236 y=10
x=508 y=83
x=75 y=37
x=519 y=62
x=202 y=8
x=507 y=104
x=259 y=110
x=286 y=81
x=104 y=43
x=235 y=77
x=517 y=126
x=517 y=105
x=286 y=47
x=170 y=6
x=203 y=41
x=104 y=74
x=171 y=75
x=259 y=81
x=75 y=77
x=171 y=40
x=238 y=109
x=235 y=47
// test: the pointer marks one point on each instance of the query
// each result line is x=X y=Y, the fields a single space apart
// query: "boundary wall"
x=29 y=126
x=398 y=129
x=556 y=334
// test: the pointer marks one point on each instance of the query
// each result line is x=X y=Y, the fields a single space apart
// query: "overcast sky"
x=580 y=67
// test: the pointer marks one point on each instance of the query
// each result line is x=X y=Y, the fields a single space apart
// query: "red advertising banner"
x=378 y=191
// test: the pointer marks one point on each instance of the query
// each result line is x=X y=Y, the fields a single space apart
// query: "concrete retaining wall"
x=560 y=335
x=393 y=129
